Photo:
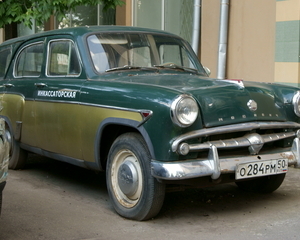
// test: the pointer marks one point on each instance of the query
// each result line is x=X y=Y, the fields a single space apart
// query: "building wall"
x=210 y=15
x=251 y=40
x=124 y=14
x=263 y=38
x=287 y=42
x=251 y=34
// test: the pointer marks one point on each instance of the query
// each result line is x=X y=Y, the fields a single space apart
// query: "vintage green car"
x=138 y=104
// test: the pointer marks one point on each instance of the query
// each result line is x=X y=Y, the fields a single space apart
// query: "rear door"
x=57 y=97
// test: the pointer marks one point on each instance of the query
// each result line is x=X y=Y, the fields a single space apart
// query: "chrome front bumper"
x=214 y=166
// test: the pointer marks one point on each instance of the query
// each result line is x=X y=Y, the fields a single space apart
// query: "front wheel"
x=134 y=193
x=265 y=184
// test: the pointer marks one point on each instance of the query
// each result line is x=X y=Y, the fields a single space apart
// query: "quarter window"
x=63 y=59
x=4 y=61
x=30 y=60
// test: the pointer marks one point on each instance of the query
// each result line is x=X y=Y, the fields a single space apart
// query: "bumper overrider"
x=214 y=165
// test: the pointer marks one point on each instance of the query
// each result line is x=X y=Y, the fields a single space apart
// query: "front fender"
x=109 y=129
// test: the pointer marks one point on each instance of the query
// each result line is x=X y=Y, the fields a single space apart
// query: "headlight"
x=296 y=103
x=184 y=111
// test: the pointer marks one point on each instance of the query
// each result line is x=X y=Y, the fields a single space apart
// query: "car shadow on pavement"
x=202 y=202
x=225 y=199
x=61 y=173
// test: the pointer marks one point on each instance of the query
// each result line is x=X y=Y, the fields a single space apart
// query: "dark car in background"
x=138 y=104
x=4 y=158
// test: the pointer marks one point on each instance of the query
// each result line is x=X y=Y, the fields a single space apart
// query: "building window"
x=88 y=15
x=24 y=30
x=174 y=16
x=83 y=15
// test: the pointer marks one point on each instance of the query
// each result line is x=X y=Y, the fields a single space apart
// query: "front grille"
x=254 y=137
x=245 y=141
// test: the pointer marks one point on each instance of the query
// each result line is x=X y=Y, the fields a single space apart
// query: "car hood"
x=228 y=101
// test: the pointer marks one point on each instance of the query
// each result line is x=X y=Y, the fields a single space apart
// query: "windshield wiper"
x=175 y=66
x=129 y=67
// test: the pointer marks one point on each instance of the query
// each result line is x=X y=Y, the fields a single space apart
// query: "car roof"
x=80 y=31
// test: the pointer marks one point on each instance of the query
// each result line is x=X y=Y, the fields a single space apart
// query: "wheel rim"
x=126 y=178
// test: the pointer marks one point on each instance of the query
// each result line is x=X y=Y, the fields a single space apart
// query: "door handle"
x=8 y=85
x=40 y=85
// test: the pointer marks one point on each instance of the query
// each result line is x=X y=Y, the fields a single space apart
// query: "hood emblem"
x=252 y=105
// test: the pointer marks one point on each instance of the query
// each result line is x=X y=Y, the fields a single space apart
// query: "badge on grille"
x=252 y=105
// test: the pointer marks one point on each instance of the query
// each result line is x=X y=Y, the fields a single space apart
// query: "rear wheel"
x=134 y=193
x=17 y=156
x=265 y=184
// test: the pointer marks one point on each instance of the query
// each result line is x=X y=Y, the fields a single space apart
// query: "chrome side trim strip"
x=140 y=111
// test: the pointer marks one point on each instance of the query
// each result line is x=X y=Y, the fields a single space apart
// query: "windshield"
x=122 y=51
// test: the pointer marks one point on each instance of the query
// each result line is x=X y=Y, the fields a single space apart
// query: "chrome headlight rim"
x=296 y=103
x=174 y=110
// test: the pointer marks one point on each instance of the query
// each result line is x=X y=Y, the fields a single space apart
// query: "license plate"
x=263 y=168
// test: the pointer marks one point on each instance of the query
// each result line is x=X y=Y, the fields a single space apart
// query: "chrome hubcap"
x=128 y=178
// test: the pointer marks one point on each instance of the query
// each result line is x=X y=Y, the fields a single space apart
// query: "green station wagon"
x=137 y=104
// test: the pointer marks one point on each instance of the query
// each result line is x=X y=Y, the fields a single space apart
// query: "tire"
x=17 y=156
x=265 y=184
x=134 y=193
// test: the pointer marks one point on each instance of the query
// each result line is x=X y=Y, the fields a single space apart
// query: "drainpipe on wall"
x=222 y=53
x=162 y=14
x=196 y=25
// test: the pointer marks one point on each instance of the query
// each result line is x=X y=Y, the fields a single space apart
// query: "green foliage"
x=23 y=11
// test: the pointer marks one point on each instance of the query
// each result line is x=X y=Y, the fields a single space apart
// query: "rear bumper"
x=214 y=166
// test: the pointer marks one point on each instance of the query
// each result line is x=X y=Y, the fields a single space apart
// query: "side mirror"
x=207 y=70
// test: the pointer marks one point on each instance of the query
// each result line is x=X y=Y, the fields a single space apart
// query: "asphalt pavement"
x=54 y=200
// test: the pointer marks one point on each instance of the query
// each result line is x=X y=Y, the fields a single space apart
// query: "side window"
x=30 y=60
x=4 y=61
x=63 y=59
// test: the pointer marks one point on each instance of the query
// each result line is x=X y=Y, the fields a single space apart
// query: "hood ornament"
x=252 y=105
x=238 y=82
x=256 y=143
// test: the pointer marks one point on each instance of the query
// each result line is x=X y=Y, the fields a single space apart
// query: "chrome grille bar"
x=242 y=127
x=239 y=142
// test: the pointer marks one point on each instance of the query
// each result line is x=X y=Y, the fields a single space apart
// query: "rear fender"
x=14 y=113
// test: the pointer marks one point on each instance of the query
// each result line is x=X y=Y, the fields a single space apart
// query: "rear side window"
x=4 y=61
x=30 y=60
x=63 y=59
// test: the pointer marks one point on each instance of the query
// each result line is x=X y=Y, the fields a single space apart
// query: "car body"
x=138 y=104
